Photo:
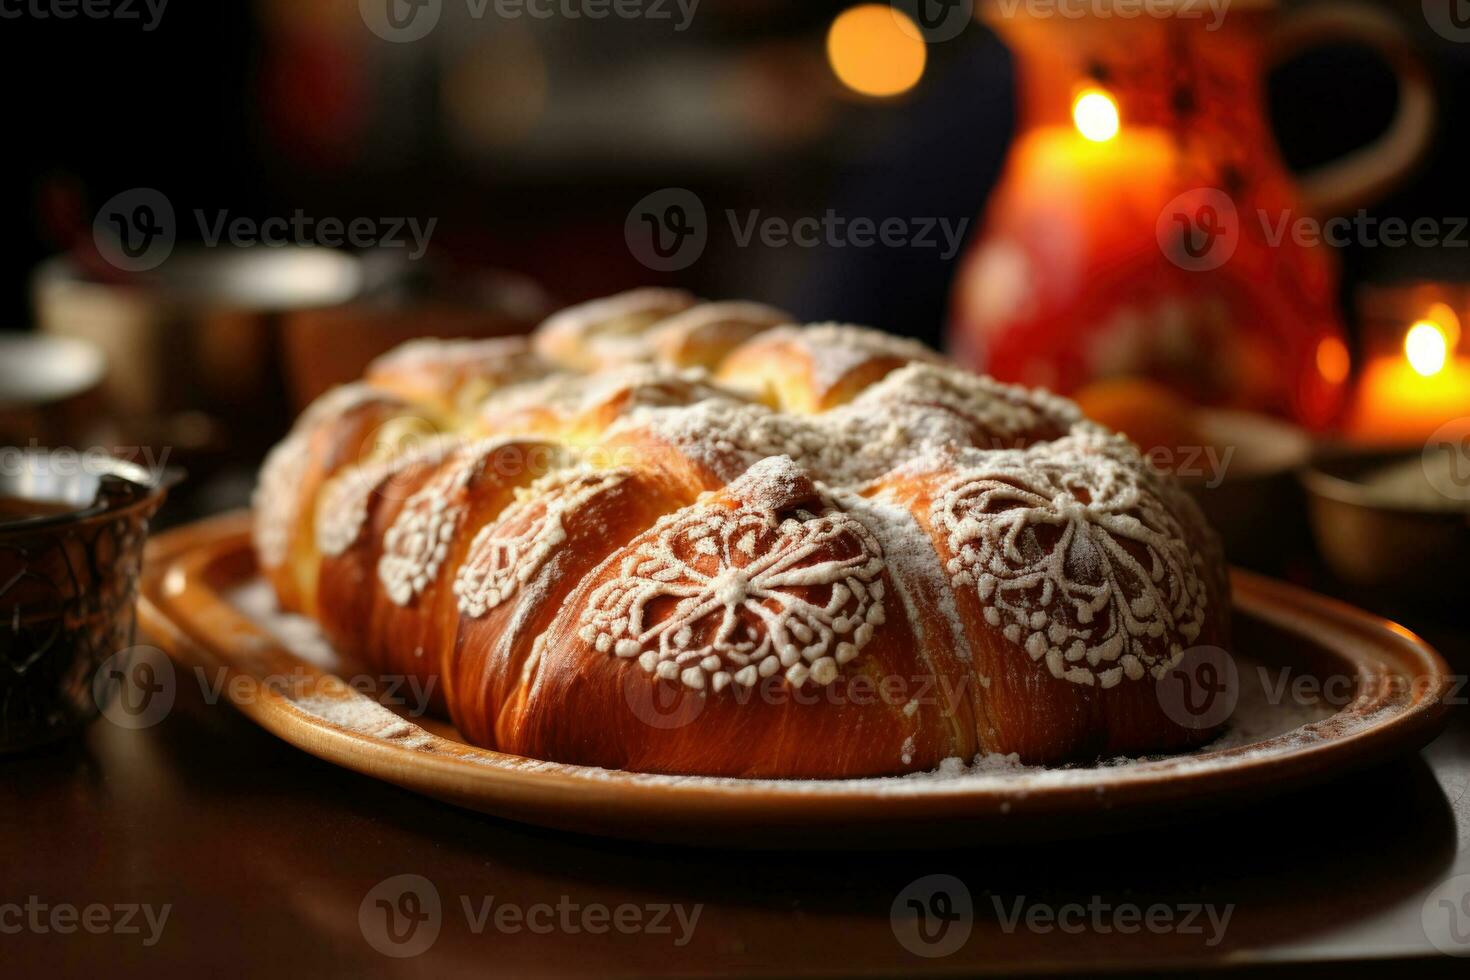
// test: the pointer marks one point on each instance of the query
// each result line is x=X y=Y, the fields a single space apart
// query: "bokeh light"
x=1333 y=361
x=872 y=54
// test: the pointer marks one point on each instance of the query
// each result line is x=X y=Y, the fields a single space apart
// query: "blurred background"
x=503 y=159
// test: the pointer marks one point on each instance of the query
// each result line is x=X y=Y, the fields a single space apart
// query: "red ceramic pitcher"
x=1145 y=224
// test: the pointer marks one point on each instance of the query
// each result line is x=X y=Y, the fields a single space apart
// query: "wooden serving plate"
x=1393 y=702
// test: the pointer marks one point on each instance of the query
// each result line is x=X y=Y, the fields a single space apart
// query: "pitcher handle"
x=1370 y=171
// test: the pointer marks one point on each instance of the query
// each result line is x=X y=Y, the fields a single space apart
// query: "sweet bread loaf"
x=683 y=537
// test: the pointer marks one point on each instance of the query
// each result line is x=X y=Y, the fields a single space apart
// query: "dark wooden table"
x=265 y=858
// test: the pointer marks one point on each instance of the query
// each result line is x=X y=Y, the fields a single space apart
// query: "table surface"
x=263 y=858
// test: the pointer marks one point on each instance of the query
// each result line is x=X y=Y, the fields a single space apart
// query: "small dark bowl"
x=1410 y=552
x=71 y=546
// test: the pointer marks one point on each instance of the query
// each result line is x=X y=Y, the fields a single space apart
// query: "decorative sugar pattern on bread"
x=509 y=552
x=1074 y=558
x=770 y=578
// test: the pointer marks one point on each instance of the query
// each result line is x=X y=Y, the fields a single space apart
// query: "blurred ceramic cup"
x=199 y=334
x=72 y=529
x=49 y=389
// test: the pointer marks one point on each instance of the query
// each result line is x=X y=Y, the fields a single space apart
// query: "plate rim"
x=609 y=802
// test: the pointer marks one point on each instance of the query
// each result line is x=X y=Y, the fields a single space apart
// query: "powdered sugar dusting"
x=914 y=414
x=362 y=715
x=914 y=569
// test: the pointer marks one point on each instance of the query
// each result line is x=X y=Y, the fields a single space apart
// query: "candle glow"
x=1095 y=115
x=1426 y=348
x=1407 y=396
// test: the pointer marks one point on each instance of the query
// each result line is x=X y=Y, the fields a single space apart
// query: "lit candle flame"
x=1095 y=115
x=1427 y=348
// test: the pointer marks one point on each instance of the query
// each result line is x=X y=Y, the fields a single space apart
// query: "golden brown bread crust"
x=811 y=369
x=771 y=723
x=523 y=566
x=454 y=376
x=337 y=431
x=834 y=556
